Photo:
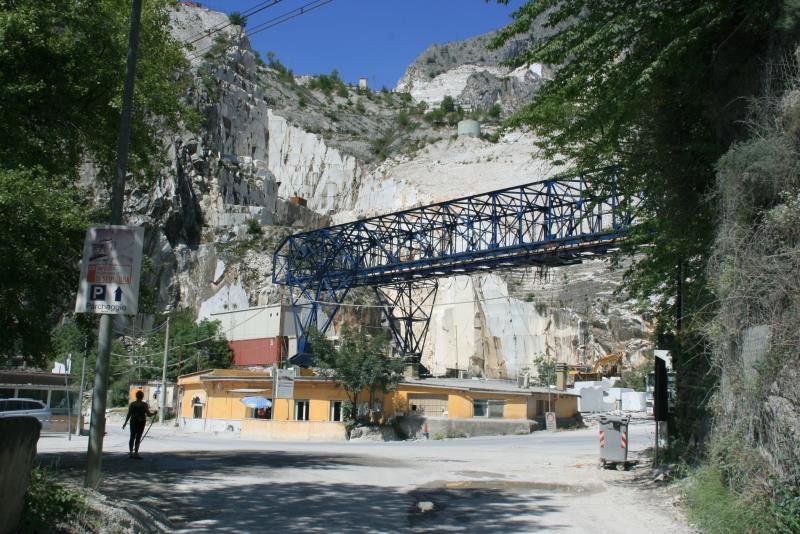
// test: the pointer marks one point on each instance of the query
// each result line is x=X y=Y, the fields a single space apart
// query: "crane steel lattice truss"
x=401 y=255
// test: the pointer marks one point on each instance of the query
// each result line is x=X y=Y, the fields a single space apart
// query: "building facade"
x=259 y=336
x=212 y=401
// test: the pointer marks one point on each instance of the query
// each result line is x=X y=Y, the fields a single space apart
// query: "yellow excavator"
x=608 y=365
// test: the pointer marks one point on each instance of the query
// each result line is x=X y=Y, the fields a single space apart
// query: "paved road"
x=541 y=482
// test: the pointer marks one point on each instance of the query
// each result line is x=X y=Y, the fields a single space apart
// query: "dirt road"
x=541 y=482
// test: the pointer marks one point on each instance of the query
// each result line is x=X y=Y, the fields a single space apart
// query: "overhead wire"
x=198 y=341
x=261 y=6
x=270 y=23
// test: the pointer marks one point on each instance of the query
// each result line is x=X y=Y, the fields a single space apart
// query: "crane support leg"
x=314 y=306
x=407 y=307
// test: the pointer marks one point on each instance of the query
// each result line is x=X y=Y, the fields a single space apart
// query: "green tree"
x=360 y=363
x=237 y=19
x=545 y=369
x=61 y=70
x=658 y=92
x=448 y=104
x=44 y=220
x=193 y=347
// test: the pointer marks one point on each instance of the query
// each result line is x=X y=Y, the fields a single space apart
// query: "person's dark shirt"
x=138 y=411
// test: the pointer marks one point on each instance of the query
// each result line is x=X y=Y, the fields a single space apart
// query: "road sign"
x=550 y=421
x=283 y=383
x=112 y=259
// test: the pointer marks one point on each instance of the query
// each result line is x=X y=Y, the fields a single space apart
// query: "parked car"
x=26 y=408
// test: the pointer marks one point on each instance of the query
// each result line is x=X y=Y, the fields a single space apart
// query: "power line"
x=197 y=342
x=270 y=23
x=218 y=28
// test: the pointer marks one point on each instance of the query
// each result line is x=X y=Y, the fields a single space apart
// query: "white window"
x=488 y=408
x=430 y=405
x=301 y=410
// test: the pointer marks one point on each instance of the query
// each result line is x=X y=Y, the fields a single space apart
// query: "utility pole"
x=97 y=427
x=163 y=404
x=83 y=380
x=68 y=368
x=455 y=325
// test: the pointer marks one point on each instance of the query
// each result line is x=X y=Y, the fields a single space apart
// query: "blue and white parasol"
x=256 y=402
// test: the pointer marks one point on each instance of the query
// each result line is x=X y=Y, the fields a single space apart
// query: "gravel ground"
x=207 y=483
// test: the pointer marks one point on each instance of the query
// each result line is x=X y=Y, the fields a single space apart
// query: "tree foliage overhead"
x=654 y=90
x=62 y=66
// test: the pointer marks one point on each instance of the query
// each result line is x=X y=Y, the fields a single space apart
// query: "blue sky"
x=377 y=39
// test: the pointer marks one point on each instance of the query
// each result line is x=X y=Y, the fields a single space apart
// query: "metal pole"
x=163 y=404
x=83 y=379
x=98 y=423
x=68 y=368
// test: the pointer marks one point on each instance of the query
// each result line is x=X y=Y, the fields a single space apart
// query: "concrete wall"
x=18 y=438
x=293 y=430
x=256 y=323
x=210 y=425
x=414 y=426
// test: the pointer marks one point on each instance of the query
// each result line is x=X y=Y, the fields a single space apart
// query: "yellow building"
x=212 y=401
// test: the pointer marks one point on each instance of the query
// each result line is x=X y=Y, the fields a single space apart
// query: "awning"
x=256 y=402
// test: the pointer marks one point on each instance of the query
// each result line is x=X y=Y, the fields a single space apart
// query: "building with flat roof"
x=58 y=391
x=258 y=336
x=212 y=401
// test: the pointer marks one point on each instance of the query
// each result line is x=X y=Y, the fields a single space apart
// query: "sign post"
x=109 y=285
x=550 y=421
x=282 y=386
x=112 y=260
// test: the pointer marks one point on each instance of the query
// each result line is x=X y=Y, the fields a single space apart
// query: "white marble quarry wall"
x=307 y=167
x=477 y=326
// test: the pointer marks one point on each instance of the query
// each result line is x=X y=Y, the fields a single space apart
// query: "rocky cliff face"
x=474 y=75
x=216 y=214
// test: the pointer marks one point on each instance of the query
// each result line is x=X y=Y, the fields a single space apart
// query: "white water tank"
x=469 y=127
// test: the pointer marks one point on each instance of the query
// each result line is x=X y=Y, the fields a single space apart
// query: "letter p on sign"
x=97 y=292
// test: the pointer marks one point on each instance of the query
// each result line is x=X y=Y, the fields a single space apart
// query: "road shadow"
x=242 y=491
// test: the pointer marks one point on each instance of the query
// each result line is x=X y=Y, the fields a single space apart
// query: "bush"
x=380 y=145
x=404 y=120
x=635 y=378
x=237 y=19
x=253 y=227
x=713 y=508
x=48 y=503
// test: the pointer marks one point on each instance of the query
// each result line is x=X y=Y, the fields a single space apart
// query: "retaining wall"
x=414 y=427
x=18 y=438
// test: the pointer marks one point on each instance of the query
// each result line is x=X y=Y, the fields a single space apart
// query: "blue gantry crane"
x=401 y=255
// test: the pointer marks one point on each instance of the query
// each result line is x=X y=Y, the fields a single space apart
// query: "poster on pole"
x=112 y=259
x=283 y=382
x=550 y=421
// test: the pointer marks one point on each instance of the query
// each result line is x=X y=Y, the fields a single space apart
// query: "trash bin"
x=614 y=440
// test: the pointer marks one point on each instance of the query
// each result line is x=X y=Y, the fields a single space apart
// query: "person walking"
x=138 y=412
